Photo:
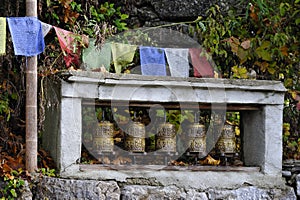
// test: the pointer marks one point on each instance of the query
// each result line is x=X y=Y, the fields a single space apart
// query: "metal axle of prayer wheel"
x=103 y=140
x=197 y=138
x=135 y=137
x=166 y=138
x=226 y=143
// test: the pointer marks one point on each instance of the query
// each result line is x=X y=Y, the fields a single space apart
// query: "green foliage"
x=6 y=95
x=107 y=12
x=105 y=19
x=265 y=39
x=4 y=107
x=47 y=172
x=13 y=183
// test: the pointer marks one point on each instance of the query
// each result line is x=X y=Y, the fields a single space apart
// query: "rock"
x=249 y=193
x=298 y=185
x=193 y=194
x=56 y=188
x=295 y=169
x=135 y=192
x=147 y=14
x=26 y=193
x=286 y=173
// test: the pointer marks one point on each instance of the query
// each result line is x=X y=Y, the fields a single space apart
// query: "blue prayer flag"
x=153 y=61
x=27 y=35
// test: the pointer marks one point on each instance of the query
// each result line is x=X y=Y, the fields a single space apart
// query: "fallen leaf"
x=246 y=44
x=209 y=161
x=284 y=50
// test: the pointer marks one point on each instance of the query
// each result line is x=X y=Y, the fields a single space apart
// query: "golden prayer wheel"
x=135 y=137
x=166 y=138
x=103 y=140
x=197 y=138
x=226 y=143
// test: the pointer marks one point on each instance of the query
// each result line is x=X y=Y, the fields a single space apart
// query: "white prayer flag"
x=178 y=61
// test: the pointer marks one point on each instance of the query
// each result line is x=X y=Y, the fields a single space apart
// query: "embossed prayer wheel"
x=166 y=137
x=226 y=143
x=135 y=137
x=103 y=140
x=197 y=138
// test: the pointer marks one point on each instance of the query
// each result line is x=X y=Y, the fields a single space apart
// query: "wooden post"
x=31 y=100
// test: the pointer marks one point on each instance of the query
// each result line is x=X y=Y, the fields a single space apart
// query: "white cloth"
x=178 y=61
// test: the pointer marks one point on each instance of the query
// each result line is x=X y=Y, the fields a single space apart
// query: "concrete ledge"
x=202 y=180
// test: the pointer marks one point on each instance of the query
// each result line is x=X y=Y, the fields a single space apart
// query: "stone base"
x=57 y=188
x=172 y=192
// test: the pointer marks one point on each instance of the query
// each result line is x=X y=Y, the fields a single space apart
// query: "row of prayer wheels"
x=165 y=139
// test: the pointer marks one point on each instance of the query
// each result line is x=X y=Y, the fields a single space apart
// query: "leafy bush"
x=259 y=40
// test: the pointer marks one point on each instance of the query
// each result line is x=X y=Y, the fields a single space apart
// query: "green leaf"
x=264 y=45
x=262 y=51
x=265 y=55
x=297 y=21
x=282 y=9
x=124 y=16
x=14 y=96
x=239 y=72
x=271 y=70
x=242 y=54
x=13 y=193
x=202 y=26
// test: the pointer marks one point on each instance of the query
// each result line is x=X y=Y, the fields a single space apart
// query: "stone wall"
x=62 y=189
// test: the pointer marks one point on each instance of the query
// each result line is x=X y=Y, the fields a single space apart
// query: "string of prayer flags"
x=153 y=61
x=202 y=68
x=27 y=36
x=94 y=57
x=45 y=28
x=122 y=54
x=2 y=35
x=70 y=44
x=178 y=61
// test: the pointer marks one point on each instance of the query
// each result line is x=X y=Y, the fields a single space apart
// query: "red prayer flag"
x=69 y=45
x=202 y=68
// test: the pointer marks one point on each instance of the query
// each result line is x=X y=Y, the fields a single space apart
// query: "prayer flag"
x=94 y=57
x=46 y=28
x=70 y=45
x=27 y=35
x=153 y=61
x=202 y=68
x=122 y=54
x=178 y=61
x=2 y=35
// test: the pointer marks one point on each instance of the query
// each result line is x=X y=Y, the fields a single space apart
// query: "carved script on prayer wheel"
x=197 y=138
x=103 y=140
x=226 y=143
x=135 y=137
x=166 y=138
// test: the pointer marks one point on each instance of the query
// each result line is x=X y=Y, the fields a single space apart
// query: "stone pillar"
x=69 y=146
x=262 y=141
x=63 y=125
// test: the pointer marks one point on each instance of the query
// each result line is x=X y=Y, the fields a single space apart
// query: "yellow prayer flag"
x=2 y=35
x=122 y=55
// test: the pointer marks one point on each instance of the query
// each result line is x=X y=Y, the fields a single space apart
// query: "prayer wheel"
x=135 y=137
x=226 y=143
x=166 y=138
x=197 y=138
x=103 y=140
